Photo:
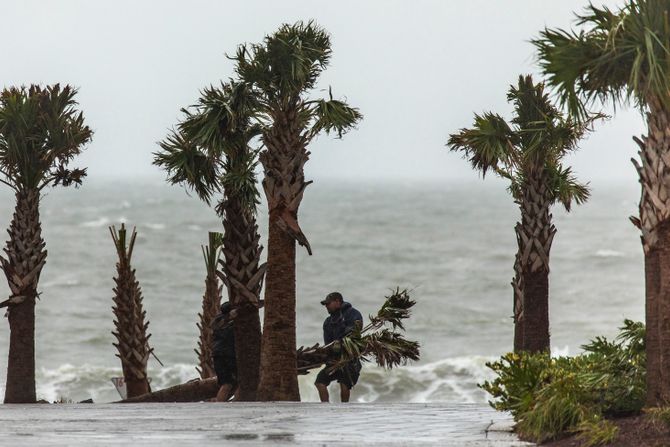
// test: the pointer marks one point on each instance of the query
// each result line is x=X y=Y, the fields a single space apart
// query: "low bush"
x=549 y=397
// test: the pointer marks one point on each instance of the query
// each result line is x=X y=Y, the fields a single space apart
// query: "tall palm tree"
x=211 y=302
x=130 y=323
x=41 y=131
x=528 y=152
x=210 y=152
x=620 y=56
x=282 y=71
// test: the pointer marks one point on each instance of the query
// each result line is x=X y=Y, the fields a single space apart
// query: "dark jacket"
x=223 y=338
x=340 y=323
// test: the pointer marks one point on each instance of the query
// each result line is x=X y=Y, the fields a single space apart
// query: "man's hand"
x=337 y=346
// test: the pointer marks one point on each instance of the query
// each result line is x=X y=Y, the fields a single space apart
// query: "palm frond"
x=616 y=57
x=187 y=164
x=396 y=308
x=334 y=115
x=212 y=251
x=489 y=144
x=565 y=188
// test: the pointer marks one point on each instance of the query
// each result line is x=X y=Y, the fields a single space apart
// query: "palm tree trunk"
x=535 y=235
x=130 y=326
x=211 y=301
x=284 y=184
x=243 y=274
x=517 y=287
x=654 y=224
x=25 y=258
x=279 y=380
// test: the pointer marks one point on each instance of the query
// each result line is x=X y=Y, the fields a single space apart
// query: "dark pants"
x=348 y=374
x=226 y=370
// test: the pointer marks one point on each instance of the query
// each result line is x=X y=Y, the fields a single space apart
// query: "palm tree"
x=282 y=71
x=41 y=131
x=210 y=152
x=211 y=302
x=528 y=153
x=130 y=317
x=622 y=56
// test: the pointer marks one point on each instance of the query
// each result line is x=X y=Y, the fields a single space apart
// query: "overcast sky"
x=417 y=70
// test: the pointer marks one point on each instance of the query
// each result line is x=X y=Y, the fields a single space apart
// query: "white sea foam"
x=101 y=222
x=448 y=380
x=194 y=227
x=155 y=226
x=609 y=254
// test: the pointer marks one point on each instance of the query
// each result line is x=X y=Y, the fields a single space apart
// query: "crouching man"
x=223 y=353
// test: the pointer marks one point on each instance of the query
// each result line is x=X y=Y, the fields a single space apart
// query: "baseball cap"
x=332 y=297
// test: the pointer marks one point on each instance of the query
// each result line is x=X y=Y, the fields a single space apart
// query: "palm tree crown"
x=536 y=138
x=209 y=151
x=40 y=133
x=618 y=55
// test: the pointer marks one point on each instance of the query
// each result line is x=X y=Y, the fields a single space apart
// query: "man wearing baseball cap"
x=342 y=320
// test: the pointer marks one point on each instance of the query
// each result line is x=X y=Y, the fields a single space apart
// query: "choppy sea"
x=451 y=244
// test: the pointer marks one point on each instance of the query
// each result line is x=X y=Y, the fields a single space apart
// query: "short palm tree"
x=130 y=322
x=621 y=56
x=528 y=152
x=210 y=152
x=41 y=131
x=211 y=303
x=282 y=71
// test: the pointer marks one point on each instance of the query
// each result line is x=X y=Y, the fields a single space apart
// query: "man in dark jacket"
x=223 y=352
x=342 y=320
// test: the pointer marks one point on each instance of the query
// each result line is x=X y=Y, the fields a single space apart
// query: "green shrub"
x=549 y=397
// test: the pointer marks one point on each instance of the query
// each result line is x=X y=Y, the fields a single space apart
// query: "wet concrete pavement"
x=250 y=424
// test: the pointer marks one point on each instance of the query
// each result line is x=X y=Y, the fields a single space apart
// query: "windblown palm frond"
x=488 y=144
x=396 y=308
x=565 y=187
x=186 y=163
x=617 y=56
x=333 y=115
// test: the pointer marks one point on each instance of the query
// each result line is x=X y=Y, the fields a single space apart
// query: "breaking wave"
x=447 y=380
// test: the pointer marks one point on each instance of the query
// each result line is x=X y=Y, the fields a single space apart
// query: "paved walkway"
x=250 y=424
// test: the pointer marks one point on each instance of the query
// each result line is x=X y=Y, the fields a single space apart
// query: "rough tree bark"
x=535 y=234
x=26 y=255
x=131 y=328
x=517 y=287
x=242 y=273
x=283 y=161
x=211 y=302
x=654 y=224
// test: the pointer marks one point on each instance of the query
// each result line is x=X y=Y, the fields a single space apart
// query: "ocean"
x=452 y=244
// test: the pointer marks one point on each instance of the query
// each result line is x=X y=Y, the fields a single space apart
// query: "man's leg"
x=224 y=393
x=323 y=392
x=345 y=392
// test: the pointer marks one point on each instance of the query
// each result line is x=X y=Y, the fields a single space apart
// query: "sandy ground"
x=249 y=424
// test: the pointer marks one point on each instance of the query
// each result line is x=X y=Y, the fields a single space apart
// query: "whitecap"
x=101 y=222
x=155 y=226
x=609 y=254
x=194 y=227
